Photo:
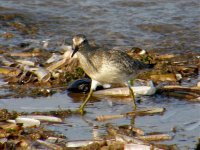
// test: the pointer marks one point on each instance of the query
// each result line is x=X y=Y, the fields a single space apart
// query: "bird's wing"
x=128 y=63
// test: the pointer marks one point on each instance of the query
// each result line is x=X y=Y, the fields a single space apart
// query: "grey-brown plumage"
x=104 y=65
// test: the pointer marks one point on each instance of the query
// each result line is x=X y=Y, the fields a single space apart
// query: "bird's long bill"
x=75 y=49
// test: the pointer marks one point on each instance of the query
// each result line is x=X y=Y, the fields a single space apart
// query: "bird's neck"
x=85 y=48
x=85 y=56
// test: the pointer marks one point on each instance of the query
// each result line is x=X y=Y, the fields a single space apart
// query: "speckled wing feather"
x=124 y=61
x=109 y=66
x=121 y=63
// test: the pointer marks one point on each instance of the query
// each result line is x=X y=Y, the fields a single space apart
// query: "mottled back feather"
x=108 y=66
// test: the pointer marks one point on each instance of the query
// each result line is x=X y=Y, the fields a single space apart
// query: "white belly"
x=107 y=73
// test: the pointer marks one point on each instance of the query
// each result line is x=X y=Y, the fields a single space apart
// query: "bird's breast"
x=102 y=70
x=87 y=65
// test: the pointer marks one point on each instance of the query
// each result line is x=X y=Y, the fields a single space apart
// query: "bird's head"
x=77 y=42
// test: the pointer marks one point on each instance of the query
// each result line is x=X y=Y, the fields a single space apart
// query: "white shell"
x=43 y=118
x=124 y=91
x=136 y=147
x=27 y=122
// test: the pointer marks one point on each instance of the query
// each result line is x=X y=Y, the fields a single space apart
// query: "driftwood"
x=26 y=54
x=181 y=88
x=188 y=93
x=155 y=137
x=166 y=77
x=50 y=145
x=148 y=111
x=124 y=91
x=139 y=140
x=10 y=71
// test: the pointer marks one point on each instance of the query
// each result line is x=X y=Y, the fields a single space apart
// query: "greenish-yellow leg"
x=132 y=95
x=81 y=109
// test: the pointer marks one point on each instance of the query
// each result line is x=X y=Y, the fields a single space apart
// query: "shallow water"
x=180 y=114
x=161 y=25
x=166 y=26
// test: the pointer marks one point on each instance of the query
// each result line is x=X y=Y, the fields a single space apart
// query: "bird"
x=105 y=66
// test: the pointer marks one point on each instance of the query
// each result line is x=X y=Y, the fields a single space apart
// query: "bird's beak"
x=75 y=49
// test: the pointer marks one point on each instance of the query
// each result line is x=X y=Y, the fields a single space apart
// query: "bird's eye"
x=84 y=41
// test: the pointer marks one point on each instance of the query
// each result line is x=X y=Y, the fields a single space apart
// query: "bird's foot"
x=81 y=111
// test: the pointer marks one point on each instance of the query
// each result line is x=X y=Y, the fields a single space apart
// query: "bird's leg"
x=132 y=95
x=92 y=88
x=81 y=109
